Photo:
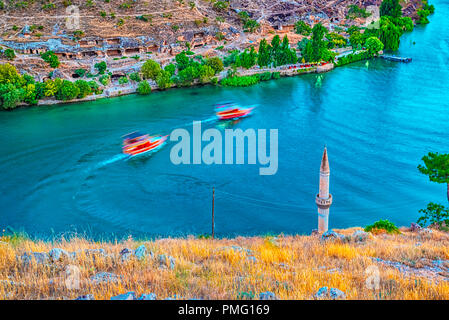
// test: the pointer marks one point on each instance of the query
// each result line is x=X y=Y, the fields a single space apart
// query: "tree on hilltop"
x=390 y=8
x=436 y=167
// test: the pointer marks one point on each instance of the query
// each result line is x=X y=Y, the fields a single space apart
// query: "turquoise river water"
x=61 y=169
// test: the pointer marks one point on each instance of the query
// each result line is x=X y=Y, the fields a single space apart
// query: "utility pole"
x=213 y=217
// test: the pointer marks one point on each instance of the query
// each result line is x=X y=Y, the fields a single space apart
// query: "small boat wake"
x=126 y=156
x=116 y=158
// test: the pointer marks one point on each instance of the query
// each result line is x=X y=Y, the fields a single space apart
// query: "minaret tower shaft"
x=324 y=198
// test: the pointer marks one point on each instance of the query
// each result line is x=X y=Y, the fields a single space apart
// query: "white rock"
x=57 y=254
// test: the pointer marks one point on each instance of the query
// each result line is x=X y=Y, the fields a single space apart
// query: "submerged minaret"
x=324 y=198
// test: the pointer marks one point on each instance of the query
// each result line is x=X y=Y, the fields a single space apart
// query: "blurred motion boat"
x=136 y=143
x=231 y=111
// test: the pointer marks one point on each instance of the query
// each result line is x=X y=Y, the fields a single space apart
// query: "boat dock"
x=396 y=58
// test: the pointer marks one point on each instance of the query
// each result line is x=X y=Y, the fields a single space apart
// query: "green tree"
x=423 y=14
x=302 y=28
x=101 y=67
x=67 y=91
x=182 y=61
x=84 y=88
x=404 y=23
x=357 y=12
x=94 y=86
x=307 y=53
x=206 y=73
x=240 y=81
x=250 y=25
x=221 y=5
x=436 y=167
x=247 y=59
x=390 y=8
x=356 y=39
x=80 y=72
x=287 y=56
x=123 y=80
x=163 y=80
x=10 y=96
x=188 y=75
x=51 y=87
x=243 y=15
x=352 y=29
x=374 y=45
x=105 y=79
x=328 y=55
x=135 y=76
x=170 y=68
x=275 y=50
x=216 y=64
x=144 y=88
x=317 y=48
x=50 y=58
x=9 y=74
x=434 y=214
x=389 y=34
x=9 y=54
x=264 y=55
x=231 y=58
x=302 y=44
x=150 y=69
x=31 y=94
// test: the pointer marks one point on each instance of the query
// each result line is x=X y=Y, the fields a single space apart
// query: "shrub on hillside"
x=105 y=79
x=435 y=215
x=9 y=54
x=80 y=72
x=380 y=225
x=101 y=67
x=123 y=80
x=135 y=76
x=50 y=58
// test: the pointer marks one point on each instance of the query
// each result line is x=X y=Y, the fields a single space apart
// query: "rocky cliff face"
x=161 y=20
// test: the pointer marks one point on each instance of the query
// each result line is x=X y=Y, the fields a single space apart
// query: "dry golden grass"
x=292 y=267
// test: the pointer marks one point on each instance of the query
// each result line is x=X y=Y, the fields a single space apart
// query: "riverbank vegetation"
x=374 y=266
x=425 y=11
x=353 y=57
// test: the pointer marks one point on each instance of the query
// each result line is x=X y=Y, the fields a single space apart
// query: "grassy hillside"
x=409 y=265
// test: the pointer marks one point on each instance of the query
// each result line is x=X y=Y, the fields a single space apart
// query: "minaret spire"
x=324 y=198
x=324 y=161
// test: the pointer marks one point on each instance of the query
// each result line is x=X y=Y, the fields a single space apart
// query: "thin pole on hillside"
x=213 y=216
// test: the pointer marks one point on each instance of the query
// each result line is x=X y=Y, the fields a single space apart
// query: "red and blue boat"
x=136 y=143
x=231 y=111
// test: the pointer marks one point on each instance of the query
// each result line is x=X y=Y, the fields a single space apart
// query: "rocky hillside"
x=342 y=264
x=164 y=20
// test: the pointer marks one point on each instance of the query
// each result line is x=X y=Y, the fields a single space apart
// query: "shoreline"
x=110 y=237
x=118 y=91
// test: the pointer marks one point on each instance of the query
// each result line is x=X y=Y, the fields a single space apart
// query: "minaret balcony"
x=323 y=203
